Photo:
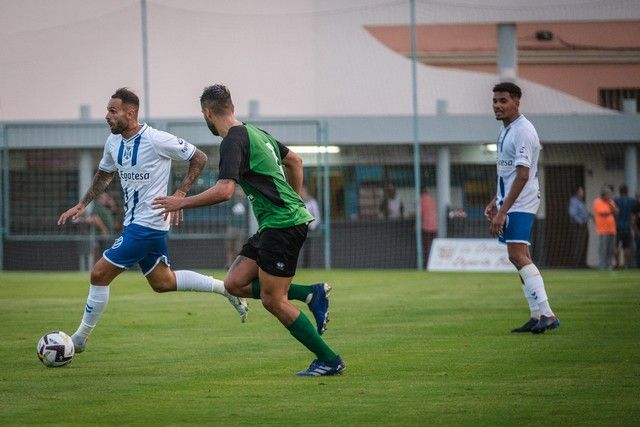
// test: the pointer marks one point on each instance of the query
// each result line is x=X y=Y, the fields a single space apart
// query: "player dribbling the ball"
x=141 y=156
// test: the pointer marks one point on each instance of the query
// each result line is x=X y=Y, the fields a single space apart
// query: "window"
x=614 y=98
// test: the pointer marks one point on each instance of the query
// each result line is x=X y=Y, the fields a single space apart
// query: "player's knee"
x=162 y=280
x=96 y=277
x=519 y=261
x=269 y=303
x=232 y=287
x=100 y=277
x=161 y=288
x=515 y=260
x=273 y=304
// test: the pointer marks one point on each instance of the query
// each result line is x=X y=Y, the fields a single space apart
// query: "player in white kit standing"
x=513 y=209
x=141 y=156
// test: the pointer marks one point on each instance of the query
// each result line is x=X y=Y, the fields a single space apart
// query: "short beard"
x=117 y=129
x=213 y=129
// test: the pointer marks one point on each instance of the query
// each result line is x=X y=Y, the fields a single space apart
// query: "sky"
x=295 y=57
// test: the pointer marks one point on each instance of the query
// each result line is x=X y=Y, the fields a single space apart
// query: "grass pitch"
x=420 y=348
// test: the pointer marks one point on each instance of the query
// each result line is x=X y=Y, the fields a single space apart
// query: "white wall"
x=297 y=57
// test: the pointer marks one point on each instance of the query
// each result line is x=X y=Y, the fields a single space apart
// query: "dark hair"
x=513 y=89
x=218 y=98
x=624 y=190
x=127 y=97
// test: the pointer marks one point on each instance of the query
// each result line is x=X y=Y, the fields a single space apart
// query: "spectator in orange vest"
x=429 y=222
x=604 y=213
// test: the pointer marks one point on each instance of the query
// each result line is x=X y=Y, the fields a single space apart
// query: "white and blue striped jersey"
x=518 y=145
x=143 y=163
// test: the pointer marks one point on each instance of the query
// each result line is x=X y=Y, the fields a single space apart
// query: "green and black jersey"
x=253 y=158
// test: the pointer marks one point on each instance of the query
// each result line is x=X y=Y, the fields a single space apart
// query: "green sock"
x=306 y=333
x=296 y=292
x=255 y=289
x=299 y=292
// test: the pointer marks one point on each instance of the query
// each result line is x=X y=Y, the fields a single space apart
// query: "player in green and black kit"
x=271 y=177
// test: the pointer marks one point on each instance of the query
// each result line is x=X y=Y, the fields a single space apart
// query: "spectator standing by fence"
x=579 y=222
x=604 y=213
x=391 y=207
x=429 y=224
x=624 y=236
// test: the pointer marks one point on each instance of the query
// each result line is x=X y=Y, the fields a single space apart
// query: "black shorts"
x=623 y=237
x=276 y=250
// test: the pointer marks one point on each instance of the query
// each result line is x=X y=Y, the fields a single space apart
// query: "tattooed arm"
x=100 y=182
x=196 y=164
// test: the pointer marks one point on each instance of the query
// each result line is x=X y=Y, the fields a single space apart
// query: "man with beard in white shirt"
x=141 y=156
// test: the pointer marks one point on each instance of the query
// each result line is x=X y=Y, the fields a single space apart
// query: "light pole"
x=145 y=60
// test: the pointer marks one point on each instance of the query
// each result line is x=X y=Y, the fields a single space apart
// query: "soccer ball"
x=55 y=349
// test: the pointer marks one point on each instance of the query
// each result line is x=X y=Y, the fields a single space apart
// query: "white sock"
x=545 y=308
x=534 y=287
x=533 y=304
x=191 y=281
x=96 y=303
